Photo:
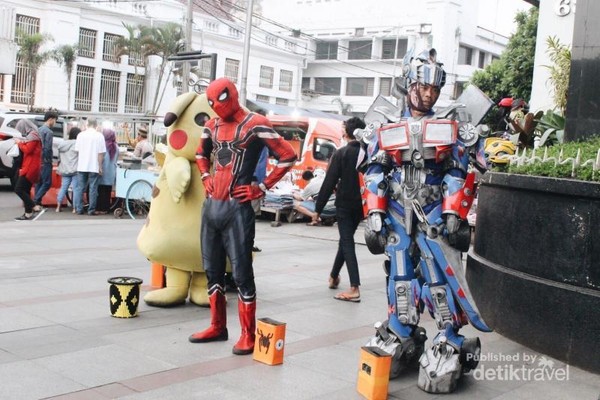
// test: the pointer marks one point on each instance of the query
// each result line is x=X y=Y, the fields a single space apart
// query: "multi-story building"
x=356 y=47
x=100 y=82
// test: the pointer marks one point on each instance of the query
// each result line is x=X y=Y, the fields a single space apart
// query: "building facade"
x=358 y=57
x=102 y=83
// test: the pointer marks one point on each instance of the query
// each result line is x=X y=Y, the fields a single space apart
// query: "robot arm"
x=376 y=189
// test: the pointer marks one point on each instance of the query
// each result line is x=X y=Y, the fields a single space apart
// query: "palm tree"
x=345 y=108
x=166 y=41
x=65 y=56
x=32 y=58
x=560 y=55
x=135 y=46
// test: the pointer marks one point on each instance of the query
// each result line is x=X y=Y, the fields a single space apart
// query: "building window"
x=385 y=86
x=134 y=93
x=110 y=45
x=87 y=43
x=266 y=77
x=328 y=86
x=135 y=59
x=84 y=84
x=285 y=80
x=232 y=69
x=359 y=86
x=360 y=50
x=19 y=93
x=481 y=63
x=281 y=102
x=326 y=51
x=465 y=55
x=179 y=86
x=389 y=49
x=264 y=99
x=26 y=24
x=305 y=83
x=1 y=87
x=204 y=68
x=109 y=91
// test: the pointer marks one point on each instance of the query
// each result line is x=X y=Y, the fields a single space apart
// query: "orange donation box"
x=374 y=373
x=270 y=341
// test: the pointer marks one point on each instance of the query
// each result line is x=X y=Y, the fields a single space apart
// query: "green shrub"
x=589 y=151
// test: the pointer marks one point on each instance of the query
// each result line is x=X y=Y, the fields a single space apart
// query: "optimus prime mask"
x=223 y=97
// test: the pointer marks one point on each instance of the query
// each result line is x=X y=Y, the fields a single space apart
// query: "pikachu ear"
x=178 y=107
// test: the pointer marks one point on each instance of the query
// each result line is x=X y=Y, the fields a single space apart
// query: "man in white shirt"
x=91 y=147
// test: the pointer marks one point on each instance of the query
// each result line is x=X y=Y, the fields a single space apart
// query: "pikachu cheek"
x=178 y=139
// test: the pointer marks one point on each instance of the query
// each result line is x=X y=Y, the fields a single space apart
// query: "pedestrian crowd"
x=87 y=166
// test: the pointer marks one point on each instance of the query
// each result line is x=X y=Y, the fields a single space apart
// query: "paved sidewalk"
x=58 y=339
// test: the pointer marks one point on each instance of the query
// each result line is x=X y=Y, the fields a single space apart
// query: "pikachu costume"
x=171 y=235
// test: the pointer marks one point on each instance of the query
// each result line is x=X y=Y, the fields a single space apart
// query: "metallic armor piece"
x=405 y=309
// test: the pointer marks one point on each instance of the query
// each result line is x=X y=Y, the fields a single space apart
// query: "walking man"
x=45 y=132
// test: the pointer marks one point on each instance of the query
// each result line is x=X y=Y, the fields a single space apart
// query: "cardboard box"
x=374 y=373
x=270 y=341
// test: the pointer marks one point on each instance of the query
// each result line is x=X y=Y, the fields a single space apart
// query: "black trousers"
x=103 y=202
x=347 y=221
x=23 y=190
x=228 y=231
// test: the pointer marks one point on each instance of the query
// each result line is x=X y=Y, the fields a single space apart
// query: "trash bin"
x=124 y=296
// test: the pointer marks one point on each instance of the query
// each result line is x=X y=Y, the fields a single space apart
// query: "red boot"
x=247 y=312
x=218 y=321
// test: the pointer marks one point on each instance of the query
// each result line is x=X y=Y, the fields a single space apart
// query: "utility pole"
x=189 y=19
x=246 y=57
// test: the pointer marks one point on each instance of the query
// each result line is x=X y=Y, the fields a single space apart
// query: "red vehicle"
x=314 y=139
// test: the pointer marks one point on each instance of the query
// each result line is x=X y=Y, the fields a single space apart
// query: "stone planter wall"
x=534 y=270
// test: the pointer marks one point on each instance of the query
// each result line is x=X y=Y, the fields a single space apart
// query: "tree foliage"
x=512 y=74
x=32 y=57
x=65 y=56
x=560 y=55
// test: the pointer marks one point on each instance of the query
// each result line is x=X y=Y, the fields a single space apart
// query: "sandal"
x=334 y=282
x=348 y=297
x=313 y=223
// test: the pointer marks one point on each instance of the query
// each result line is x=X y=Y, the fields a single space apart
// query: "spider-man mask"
x=223 y=97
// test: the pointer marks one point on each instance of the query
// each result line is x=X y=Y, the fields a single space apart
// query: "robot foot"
x=442 y=365
x=405 y=351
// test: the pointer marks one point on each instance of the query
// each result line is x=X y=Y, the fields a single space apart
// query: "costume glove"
x=245 y=193
x=208 y=185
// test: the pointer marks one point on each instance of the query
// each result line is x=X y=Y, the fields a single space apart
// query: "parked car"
x=8 y=122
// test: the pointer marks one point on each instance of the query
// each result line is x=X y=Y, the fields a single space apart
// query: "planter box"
x=534 y=270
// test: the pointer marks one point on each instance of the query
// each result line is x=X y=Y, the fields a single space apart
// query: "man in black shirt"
x=343 y=172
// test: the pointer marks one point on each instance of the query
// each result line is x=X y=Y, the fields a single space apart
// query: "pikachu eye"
x=210 y=103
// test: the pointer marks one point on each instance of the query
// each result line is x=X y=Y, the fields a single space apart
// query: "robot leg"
x=442 y=364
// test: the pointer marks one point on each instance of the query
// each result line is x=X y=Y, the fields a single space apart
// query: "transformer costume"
x=419 y=191
x=236 y=140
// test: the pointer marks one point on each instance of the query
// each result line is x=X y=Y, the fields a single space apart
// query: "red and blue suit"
x=234 y=141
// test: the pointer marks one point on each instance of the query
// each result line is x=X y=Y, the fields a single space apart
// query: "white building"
x=102 y=84
x=356 y=47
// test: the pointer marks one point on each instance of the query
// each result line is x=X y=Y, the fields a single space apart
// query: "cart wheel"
x=118 y=213
x=138 y=199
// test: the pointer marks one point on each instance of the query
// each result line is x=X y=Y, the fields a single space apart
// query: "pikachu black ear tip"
x=170 y=118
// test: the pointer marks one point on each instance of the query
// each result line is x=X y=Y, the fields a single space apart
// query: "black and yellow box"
x=270 y=341
x=124 y=296
x=374 y=373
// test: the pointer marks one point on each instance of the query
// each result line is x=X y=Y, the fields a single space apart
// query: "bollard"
x=270 y=341
x=374 y=373
x=157 y=280
x=124 y=296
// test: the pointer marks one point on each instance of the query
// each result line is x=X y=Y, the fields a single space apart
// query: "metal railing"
x=109 y=91
x=84 y=85
x=574 y=162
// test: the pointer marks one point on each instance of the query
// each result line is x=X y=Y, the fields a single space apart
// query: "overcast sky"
x=498 y=15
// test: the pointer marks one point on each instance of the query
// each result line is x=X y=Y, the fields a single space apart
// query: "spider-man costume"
x=236 y=140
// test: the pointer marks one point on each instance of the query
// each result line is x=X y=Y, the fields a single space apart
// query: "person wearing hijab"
x=30 y=146
x=109 y=172
x=67 y=166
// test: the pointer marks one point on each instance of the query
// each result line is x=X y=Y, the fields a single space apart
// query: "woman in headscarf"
x=30 y=146
x=67 y=167
x=109 y=172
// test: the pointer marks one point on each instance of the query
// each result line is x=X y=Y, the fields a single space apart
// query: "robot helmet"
x=425 y=69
